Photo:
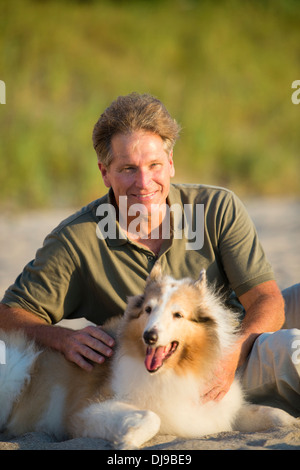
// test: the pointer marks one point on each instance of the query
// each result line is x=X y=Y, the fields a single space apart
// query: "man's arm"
x=264 y=308
x=79 y=346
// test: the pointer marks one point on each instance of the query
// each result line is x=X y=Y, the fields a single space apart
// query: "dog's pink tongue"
x=155 y=357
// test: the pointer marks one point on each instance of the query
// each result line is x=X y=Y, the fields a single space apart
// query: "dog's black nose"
x=150 y=337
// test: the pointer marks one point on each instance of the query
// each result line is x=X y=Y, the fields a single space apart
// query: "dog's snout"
x=150 y=337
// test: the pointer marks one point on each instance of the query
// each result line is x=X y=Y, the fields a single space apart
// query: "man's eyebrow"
x=126 y=163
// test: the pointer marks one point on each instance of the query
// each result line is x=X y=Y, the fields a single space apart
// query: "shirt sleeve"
x=241 y=253
x=49 y=285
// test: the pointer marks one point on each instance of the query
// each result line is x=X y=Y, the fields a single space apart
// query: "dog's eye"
x=148 y=309
x=177 y=315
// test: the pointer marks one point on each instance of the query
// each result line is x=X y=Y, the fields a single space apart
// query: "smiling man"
x=134 y=140
x=78 y=273
x=140 y=171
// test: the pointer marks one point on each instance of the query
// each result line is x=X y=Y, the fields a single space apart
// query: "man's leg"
x=291 y=297
x=272 y=372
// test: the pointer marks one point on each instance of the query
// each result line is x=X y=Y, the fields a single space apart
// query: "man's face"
x=140 y=169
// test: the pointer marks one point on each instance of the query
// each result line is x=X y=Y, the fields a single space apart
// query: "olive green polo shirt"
x=76 y=273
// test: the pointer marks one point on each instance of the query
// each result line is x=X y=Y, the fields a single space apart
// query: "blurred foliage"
x=224 y=69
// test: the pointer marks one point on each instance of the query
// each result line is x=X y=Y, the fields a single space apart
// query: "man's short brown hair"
x=131 y=113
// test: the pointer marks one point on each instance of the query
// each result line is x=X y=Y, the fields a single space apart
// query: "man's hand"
x=264 y=308
x=91 y=344
x=223 y=378
x=85 y=346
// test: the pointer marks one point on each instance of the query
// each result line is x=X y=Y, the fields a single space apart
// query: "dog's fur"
x=168 y=343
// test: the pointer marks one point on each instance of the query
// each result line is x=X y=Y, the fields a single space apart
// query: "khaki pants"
x=272 y=372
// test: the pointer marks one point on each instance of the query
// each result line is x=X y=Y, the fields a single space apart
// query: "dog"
x=168 y=343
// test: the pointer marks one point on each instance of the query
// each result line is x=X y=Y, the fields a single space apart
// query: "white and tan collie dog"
x=167 y=345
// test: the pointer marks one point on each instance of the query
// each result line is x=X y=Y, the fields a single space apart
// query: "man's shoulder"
x=198 y=192
x=83 y=219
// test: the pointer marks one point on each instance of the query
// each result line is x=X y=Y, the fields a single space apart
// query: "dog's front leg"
x=253 y=418
x=125 y=426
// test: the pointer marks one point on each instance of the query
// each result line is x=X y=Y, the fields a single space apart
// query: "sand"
x=278 y=225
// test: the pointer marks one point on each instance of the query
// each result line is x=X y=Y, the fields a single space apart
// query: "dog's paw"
x=253 y=418
x=279 y=418
x=136 y=428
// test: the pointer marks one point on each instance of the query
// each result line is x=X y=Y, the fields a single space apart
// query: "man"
x=92 y=261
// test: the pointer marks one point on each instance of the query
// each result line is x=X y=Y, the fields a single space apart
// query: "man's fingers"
x=91 y=344
x=211 y=395
x=215 y=394
x=101 y=335
x=80 y=361
x=89 y=354
x=94 y=345
x=96 y=339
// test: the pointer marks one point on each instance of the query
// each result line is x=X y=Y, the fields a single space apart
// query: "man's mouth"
x=155 y=357
x=144 y=195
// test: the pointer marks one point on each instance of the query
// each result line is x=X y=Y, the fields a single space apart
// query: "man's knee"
x=291 y=297
x=294 y=345
x=279 y=347
x=273 y=355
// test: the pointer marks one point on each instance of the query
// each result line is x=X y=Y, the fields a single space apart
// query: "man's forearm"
x=264 y=307
x=33 y=326
x=91 y=344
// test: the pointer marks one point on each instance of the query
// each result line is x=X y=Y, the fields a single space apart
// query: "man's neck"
x=148 y=229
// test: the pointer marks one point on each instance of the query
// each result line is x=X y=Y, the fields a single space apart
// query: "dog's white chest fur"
x=175 y=399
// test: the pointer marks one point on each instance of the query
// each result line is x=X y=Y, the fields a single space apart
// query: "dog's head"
x=180 y=323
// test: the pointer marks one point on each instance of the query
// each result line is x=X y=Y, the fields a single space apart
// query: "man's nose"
x=142 y=179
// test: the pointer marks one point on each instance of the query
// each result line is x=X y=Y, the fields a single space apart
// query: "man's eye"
x=127 y=169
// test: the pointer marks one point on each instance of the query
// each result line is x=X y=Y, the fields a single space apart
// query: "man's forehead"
x=134 y=139
x=127 y=148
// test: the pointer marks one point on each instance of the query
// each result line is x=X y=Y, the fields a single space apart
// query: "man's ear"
x=171 y=162
x=104 y=173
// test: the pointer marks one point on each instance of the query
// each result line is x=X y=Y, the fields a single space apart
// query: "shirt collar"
x=119 y=238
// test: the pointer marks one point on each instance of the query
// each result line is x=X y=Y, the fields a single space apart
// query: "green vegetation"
x=224 y=69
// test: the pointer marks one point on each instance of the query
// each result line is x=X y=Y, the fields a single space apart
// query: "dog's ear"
x=201 y=281
x=156 y=273
x=134 y=306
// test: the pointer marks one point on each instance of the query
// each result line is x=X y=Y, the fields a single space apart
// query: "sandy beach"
x=278 y=225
